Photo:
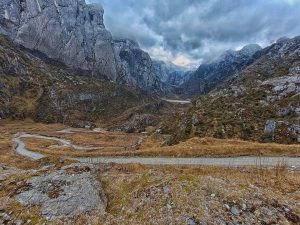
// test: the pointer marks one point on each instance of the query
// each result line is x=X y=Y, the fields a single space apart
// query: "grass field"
x=140 y=194
x=124 y=144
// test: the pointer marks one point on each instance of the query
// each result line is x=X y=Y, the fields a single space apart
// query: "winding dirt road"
x=228 y=162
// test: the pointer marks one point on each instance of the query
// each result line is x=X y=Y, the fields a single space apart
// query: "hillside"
x=34 y=86
x=261 y=102
x=211 y=75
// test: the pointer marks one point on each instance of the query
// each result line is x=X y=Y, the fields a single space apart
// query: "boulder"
x=68 y=192
x=270 y=127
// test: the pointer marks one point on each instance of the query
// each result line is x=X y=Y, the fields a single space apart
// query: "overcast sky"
x=194 y=31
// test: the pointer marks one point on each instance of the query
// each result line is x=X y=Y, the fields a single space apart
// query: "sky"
x=191 y=32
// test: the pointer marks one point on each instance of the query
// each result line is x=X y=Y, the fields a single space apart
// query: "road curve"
x=228 y=162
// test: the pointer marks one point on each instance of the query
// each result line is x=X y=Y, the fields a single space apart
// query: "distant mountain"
x=73 y=32
x=134 y=66
x=170 y=73
x=260 y=102
x=208 y=76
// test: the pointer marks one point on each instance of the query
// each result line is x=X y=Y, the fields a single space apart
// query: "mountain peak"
x=250 y=49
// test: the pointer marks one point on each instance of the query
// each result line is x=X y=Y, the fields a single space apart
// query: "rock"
x=166 y=190
x=169 y=207
x=213 y=195
x=191 y=221
x=283 y=112
x=284 y=85
x=68 y=192
x=83 y=124
x=244 y=207
x=297 y=111
x=227 y=207
x=235 y=211
x=270 y=127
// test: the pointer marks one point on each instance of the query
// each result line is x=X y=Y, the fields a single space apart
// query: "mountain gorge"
x=210 y=75
x=60 y=64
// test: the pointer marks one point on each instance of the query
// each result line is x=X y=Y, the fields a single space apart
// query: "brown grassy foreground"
x=172 y=195
x=162 y=194
x=123 y=144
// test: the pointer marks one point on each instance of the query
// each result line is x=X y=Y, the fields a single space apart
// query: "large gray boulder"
x=68 y=192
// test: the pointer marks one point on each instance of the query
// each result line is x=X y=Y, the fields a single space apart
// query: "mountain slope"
x=46 y=90
x=74 y=33
x=210 y=75
x=261 y=102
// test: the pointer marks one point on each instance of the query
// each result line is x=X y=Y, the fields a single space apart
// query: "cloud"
x=199 y=30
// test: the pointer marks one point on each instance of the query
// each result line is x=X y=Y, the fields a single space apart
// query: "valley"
x=134 y=123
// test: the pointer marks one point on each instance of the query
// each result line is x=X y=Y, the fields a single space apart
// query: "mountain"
x=134 y=66
x=260 y=102
x=34 y=86
x=73 y=32
x=170 y=73
x=210 y=75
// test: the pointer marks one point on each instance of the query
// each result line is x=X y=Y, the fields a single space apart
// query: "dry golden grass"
x=8 y=129
x=123 y=144
x=197 y=147
x=191 y=187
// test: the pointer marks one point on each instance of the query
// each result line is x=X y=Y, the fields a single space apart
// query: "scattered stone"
x=191 y=221
x=227 y=207
x=68 y=192
x=270 y=127
x=244 y=207
x=166 y=190
x=235 y=211
x=169 y=207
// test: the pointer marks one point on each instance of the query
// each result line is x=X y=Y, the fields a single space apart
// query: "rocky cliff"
x=210 y=75
x=73 y=32
x=134 y=66
x=169 y=73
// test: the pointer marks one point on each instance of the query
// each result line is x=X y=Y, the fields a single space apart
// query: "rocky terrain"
x=73 y=32
x=260 y=102
x=134 y=66
x=34 y=86
x=70 y=193
x=210 y=75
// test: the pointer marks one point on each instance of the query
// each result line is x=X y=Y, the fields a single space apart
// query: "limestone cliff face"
x=134 y=66
x=67 y=30
x=73 y=32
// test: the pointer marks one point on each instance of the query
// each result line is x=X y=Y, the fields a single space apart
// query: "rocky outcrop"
x=134 y=66
x=68 y=192
x=74 y=33
x=209 y=76
x=70 y=31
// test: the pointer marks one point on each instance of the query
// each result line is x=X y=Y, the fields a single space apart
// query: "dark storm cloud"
x=198 y=30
